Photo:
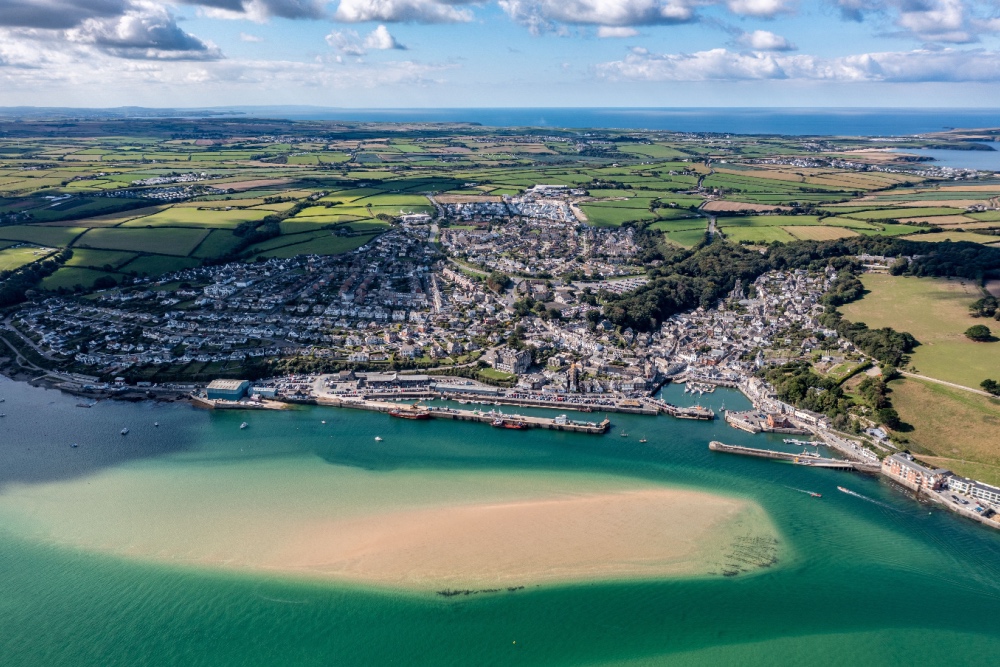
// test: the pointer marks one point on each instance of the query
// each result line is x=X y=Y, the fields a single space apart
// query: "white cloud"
x=935 y=20
x=145 y=31
x=609 y=31
x=350 y=43
x=247 y=37
x=944 y=21
x=543 y=15
x=404 y=11
x=759 y=8
x=763 y=40
x=922 y=65
x=259 y=11
x=379 y=39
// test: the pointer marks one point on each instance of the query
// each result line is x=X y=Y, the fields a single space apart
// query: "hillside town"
x=404 y=317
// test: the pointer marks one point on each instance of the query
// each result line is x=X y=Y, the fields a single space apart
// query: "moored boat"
x=410 y=413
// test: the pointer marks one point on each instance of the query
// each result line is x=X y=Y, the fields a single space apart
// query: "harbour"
x=838 y=552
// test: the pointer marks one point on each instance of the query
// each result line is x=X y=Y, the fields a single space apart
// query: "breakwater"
x=804 y=459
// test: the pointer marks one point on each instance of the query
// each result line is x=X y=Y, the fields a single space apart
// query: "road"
x=948 y=384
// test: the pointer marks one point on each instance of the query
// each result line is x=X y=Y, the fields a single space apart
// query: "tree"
x=979 y=333
x=992 y=386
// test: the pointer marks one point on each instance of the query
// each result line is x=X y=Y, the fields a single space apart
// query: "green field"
x=607 y=215
x=168 y=241
x=687 y=238
x=326 y=244
x=157 y=265
x=15 y=258
x=45 y=236
x=936 y=312
x=179 y=216
x=952 y=428
x=219 y=242
x=98 y=259
x=69 y=277
x=954 y=237
x=757 y=234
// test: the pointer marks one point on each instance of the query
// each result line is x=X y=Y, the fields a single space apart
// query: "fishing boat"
x=512 y=424
x=815 y=495
x=243 y=425
x=124 y=431
x=412 y=412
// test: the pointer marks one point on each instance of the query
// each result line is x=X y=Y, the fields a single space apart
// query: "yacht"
x=643 y=440
x=244 y=425
x=124 y=431
x=378 y=438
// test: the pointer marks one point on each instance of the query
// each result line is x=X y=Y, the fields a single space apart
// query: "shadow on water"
x=41 y=426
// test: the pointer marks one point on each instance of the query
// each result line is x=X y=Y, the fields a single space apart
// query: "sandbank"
x=413 y=530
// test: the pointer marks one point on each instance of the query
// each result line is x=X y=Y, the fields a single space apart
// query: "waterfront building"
x=227 y=390
x=903 y=469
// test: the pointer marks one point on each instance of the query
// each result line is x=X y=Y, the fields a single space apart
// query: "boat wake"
x=811 y=493
x=858 y=495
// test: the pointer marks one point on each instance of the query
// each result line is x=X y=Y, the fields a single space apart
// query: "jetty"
x=695 y=412
x=804 y=459
x=560 y=423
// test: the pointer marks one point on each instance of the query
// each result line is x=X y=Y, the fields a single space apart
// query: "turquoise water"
x=879 y=580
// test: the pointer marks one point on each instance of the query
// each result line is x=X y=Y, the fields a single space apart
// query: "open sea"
x=868 y=579
x=736 y=120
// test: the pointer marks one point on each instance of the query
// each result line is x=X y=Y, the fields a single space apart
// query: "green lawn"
x=935 y=311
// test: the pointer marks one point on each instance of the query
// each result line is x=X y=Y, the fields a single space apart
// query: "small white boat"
x=124 y=431
x=74 y=445
x=378 y=438
x=323 y=422
x=156 y=424
x=244 y=425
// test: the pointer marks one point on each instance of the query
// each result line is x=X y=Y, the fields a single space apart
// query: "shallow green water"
x=879 y=580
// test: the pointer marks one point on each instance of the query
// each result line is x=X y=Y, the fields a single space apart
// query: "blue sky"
x=460 y=53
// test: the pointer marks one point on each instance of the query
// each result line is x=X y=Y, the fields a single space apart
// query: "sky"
x=500 y=53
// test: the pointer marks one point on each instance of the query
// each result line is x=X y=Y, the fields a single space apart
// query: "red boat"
x=513 y=425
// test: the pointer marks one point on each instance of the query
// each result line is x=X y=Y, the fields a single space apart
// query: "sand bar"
x=414 y=530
